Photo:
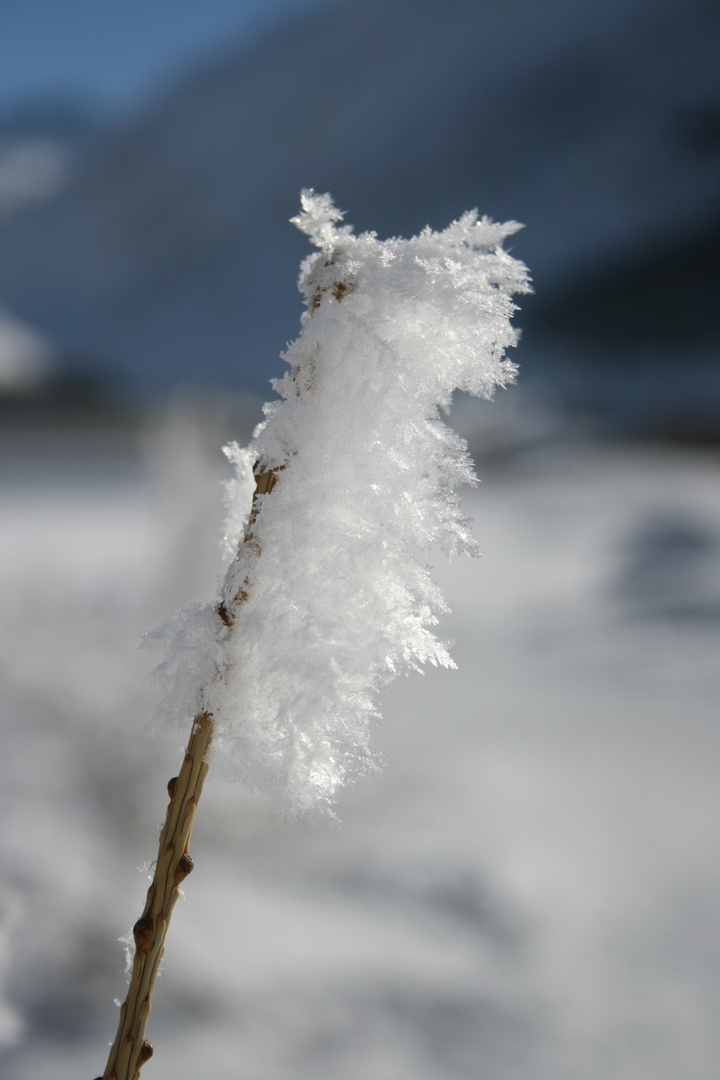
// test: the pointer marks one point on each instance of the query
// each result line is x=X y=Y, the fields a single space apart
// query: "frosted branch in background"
x=329 y=597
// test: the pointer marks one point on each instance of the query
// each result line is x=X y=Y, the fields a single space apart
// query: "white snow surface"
x=331 y=598
x=529 y=891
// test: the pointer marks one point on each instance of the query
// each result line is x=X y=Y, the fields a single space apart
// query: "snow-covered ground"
x=529 y=890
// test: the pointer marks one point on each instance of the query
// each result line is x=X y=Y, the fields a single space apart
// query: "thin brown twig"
x=131 y=1049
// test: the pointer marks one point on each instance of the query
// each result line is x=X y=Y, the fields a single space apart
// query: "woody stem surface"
x=131 y=1050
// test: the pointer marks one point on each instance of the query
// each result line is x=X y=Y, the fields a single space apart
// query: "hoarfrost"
x=327 y=597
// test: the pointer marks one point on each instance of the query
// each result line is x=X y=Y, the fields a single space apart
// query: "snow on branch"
x=327 y=597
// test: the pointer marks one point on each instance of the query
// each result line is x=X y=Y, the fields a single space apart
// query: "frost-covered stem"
x=365 y=479
x=364 y=475
x=130 y=1050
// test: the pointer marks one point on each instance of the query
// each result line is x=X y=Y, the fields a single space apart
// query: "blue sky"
x=116 y=53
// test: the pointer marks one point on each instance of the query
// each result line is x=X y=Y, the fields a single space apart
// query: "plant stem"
x=131 y=1050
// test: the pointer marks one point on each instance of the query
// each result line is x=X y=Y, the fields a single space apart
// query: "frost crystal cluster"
x=327 y=596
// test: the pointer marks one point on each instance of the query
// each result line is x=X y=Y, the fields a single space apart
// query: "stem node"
x=143 y=933
x=184 y=867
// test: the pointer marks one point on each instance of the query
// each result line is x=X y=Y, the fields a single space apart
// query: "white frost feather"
x=331 y=599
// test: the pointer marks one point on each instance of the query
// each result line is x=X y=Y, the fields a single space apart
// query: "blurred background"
x=530 y=889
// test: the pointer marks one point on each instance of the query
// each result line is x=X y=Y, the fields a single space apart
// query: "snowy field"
x=528 y=892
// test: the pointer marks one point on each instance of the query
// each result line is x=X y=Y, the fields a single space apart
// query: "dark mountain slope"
x=169 y=258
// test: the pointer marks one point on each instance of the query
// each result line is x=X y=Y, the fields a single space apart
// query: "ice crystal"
x=327 y=598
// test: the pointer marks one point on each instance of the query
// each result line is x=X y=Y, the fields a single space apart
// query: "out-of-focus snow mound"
x=25 y=357
x=529 y=891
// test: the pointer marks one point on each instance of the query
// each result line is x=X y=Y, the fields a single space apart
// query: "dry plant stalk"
x=369 y=432
x=131 y=1049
